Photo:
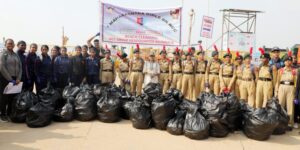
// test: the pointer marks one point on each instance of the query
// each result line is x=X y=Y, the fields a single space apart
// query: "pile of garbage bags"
x=208 y=116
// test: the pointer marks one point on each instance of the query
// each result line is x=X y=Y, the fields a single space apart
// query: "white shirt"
x=151 y=71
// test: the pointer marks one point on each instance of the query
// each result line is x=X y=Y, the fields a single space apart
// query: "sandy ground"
x=97 y=135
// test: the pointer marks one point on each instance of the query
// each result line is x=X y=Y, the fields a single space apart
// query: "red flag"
x=139 y=20
x=215 y=47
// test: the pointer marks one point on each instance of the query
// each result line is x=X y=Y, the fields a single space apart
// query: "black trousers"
x=297 y=114
x=62 y=81
x=76 y=79
x=5 y=100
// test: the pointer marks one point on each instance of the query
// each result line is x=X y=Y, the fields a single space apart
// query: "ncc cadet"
x=21 y=53
x=78 y=67
x=123 y=71
x=248 y=80
x=107 y=73
x=188 y=78
x=238 y=67
x=285 y=86
x=200 y=66
x=85 y=51
x=165 y=70
x=136 y=74
x=62 y=69
x=176 y=70
x=276 y=61
x=92 y=66
x=43 y=69
x=266 y=80
x=212 y=73
x=227 y=73
x=30 y=63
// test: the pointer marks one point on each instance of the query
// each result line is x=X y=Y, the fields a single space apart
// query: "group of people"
x=187 y=71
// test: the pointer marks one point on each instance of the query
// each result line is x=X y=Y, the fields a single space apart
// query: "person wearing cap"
x=107 y=69
x=266 y=80
x=136 y=72
x=212 y=73
x=188 y=77
x=238 y=67
x=276 y=61
x=123 y=71
x=165 y=73
x=247 y=82
x=151 y=70
x=227 y=73
x=200 y=65
x=285 y=87
x=78 y=67
x=176 y=70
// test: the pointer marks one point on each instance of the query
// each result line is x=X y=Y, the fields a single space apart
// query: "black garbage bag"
x=283 y=118
x=20 y=106
x=40 y=115
x=153 y=90
x=86 y=87
x=109 y=108
x=195 y=126
x=85 y=106
x=50 y=96
x=66 y=113
x=176 y=94
x=259 y=124
x=70 y=91
x=99 y=90
x=214 y=110
x=175 y=125
x=234 y=113
x=124 y=99
x=162 y=111
x=139 y=113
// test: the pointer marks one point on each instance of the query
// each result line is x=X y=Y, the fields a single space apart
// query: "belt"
x=164 y=71
x=213 y=73
x=200 y=72
x=124 y=71
x=247 y=79
x=107 y=70
x=190 y=73
x=227 y=76
x=136 y=70
x=177 y=72
x=265 y=79
x=286 y=83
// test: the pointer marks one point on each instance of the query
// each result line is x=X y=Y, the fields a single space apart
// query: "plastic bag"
x=162 y=111
x=109 y=108
x=20 y=106
x=140 y=115
x=283 y=119
x=70 y=91
x=66 y=113
x=40 y=115
x=195 y=126
x=50 y=96
x=99 y=90
x=124 y=98
x=176 y=94
x=234 y=113
x=85 y=106
x=153 y=90
x=175 y=125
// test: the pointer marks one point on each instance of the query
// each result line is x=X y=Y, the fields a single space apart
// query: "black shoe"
x=3 y=119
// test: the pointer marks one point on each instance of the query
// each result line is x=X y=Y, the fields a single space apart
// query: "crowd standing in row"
x=189 y=72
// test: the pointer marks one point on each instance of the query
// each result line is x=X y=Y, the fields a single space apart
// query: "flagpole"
x=192 y=13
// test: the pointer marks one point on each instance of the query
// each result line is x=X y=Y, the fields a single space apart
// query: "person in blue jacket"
x=62 y=69
x=21 y=53
x=276 y=58
x=78 y=67
x=55 y=52
x=42 y=69
x=92 y=68
x=30 y=63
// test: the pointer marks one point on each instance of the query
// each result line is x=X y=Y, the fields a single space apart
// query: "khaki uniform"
x=238 y=81
x=188 y=79
x=285 y=90
x=165 y=74
x=200 y=77
x=123 y=72
x=227 y=76
x=212 y=76
x=247 y=84
x=176 y=74
x=107 y=74
x=265 y=85
x=136 y=76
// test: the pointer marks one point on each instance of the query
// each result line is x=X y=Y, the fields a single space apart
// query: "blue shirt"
x=92 y=66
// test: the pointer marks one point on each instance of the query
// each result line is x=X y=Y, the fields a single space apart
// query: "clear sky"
x=41 y=21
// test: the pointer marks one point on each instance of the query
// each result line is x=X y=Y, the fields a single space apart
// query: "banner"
x=153 y=27
x=241 y=41
x=207 y=27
